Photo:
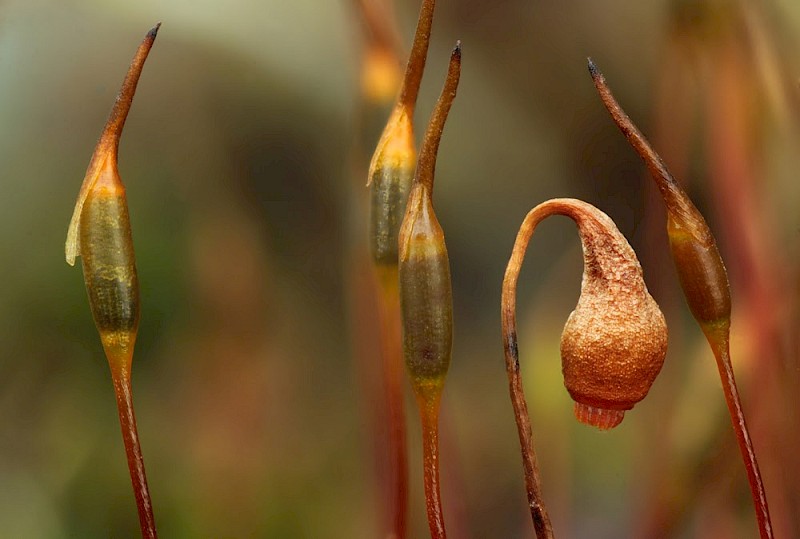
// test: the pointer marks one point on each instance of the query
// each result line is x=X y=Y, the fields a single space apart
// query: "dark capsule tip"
x=593 y=69
x=457 y=49
x=154 y=31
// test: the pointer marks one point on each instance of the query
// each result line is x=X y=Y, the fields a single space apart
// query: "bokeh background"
x=256 y=376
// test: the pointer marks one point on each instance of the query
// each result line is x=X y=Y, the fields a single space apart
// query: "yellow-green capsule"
x=109 y=265
x=391 y=174
x=391 y=170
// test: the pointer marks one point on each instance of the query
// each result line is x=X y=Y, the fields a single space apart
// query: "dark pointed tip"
x=593 y=69
x=154 y=31
x=457 y=49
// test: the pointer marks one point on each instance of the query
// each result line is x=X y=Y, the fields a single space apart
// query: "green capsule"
x=391 y=174
x=391 y=170
x=426 y=293
x=109 y=266
x=426 y=296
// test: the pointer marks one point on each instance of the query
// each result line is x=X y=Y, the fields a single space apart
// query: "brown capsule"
x=615 y=341
x=697 y=260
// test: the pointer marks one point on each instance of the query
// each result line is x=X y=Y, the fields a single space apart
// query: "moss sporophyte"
x=613 y=344
x=426 y=297
x=100 y=233
x=704 y=281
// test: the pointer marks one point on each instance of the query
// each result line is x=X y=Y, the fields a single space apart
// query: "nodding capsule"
x=615 y=341
x=391 y=170
x=424 y=268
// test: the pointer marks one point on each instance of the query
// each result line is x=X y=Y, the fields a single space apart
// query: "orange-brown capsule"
x=697 y=260
x=392 y=167
x=615 y=341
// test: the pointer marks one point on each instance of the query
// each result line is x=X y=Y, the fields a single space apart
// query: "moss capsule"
x=109 y=265
x=392 y=167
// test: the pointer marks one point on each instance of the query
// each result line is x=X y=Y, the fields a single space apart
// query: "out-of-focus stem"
x=393 y=384
x=429 y=417
x=122 y=389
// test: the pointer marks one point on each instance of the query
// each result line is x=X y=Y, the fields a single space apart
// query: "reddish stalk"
x=530 y=465
x=704 y=281
x=541 y=519
x=121 y=377
x=393 y=385
x=429 y=418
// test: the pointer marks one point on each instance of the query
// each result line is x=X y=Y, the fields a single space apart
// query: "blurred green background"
x=256 y=384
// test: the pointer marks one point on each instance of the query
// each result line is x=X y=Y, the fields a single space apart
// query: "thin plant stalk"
x=426 y=297
x=391 y=345
x=539 y=515
x=100 y=234
x=704 y=280
x=429 y=419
